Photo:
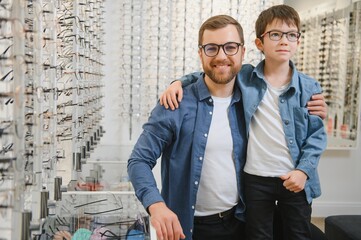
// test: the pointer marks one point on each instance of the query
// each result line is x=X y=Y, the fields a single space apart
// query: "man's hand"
x=317 y=106
x=294 y=181
x=172 y=95
x=165 y=222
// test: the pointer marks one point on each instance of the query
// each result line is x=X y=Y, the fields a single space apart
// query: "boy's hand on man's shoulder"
x=172 y=95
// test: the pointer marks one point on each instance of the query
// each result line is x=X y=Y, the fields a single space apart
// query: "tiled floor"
x=319 y=222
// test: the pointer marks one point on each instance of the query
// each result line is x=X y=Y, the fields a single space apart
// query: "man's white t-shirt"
x=218 y=183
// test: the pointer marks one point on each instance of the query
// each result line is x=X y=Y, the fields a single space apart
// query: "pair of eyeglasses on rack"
x=6 y=148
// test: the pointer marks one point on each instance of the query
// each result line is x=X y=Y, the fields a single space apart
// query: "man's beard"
x=221 y=78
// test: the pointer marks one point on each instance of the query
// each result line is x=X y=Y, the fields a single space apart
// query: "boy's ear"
x=259 y=44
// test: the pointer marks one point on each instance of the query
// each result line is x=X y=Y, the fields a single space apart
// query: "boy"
x=285 y=142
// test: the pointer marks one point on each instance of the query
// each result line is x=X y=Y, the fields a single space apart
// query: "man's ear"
x=200 y=53
x=259 y=44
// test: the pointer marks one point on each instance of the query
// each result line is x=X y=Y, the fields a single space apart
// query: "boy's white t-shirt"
x=267 y=153
x=218 y=183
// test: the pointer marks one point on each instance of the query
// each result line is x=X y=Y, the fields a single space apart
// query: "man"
x=203 y=147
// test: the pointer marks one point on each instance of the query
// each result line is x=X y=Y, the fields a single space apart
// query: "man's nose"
x=221 y=53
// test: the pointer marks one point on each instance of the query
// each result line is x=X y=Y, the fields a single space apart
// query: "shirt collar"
x=203 y=92
x=259 y=70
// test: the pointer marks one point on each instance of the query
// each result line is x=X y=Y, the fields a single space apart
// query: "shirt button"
x=193 y=207
x=291 y=141
x=282 y=100
x=287 y=122
x=200 y=158
x=210 y=100
x=196 y=182
x=191 y=230
x=205 y=135
x=210 y=113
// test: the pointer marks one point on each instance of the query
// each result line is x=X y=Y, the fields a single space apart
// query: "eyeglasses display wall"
x=330 y=52
x=50 y=104
x=158 y=42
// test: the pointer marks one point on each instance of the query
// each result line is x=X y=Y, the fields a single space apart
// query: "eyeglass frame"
x=282 y=33
x=219 y=46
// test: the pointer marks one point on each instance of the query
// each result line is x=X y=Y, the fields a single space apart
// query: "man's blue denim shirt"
x=180 y=137
x=304 y=133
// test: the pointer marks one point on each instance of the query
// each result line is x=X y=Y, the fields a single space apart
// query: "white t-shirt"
x=267 y=153
x=218 y=183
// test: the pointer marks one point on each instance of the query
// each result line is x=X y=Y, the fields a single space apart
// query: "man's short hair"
x=218 y=22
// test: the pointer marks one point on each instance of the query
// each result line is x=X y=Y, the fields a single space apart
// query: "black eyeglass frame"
x=282 y=33
x=219 y=46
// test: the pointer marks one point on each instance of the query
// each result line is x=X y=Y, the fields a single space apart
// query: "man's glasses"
x=229 y=48
x=277 y=35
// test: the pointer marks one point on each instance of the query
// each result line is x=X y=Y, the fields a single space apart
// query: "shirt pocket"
x=300 y=115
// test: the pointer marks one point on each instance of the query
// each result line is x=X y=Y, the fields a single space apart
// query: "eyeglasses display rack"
x=158 y=42
x=50 y=105
x=331 y=53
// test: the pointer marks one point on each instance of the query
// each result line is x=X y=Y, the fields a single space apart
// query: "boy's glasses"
x=277 y=35
x=229 y=48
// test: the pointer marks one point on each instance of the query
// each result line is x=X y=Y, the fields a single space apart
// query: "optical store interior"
x=80 y=78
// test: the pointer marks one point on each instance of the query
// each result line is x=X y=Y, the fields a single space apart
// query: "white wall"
x=340 y=171
x=340 y=174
